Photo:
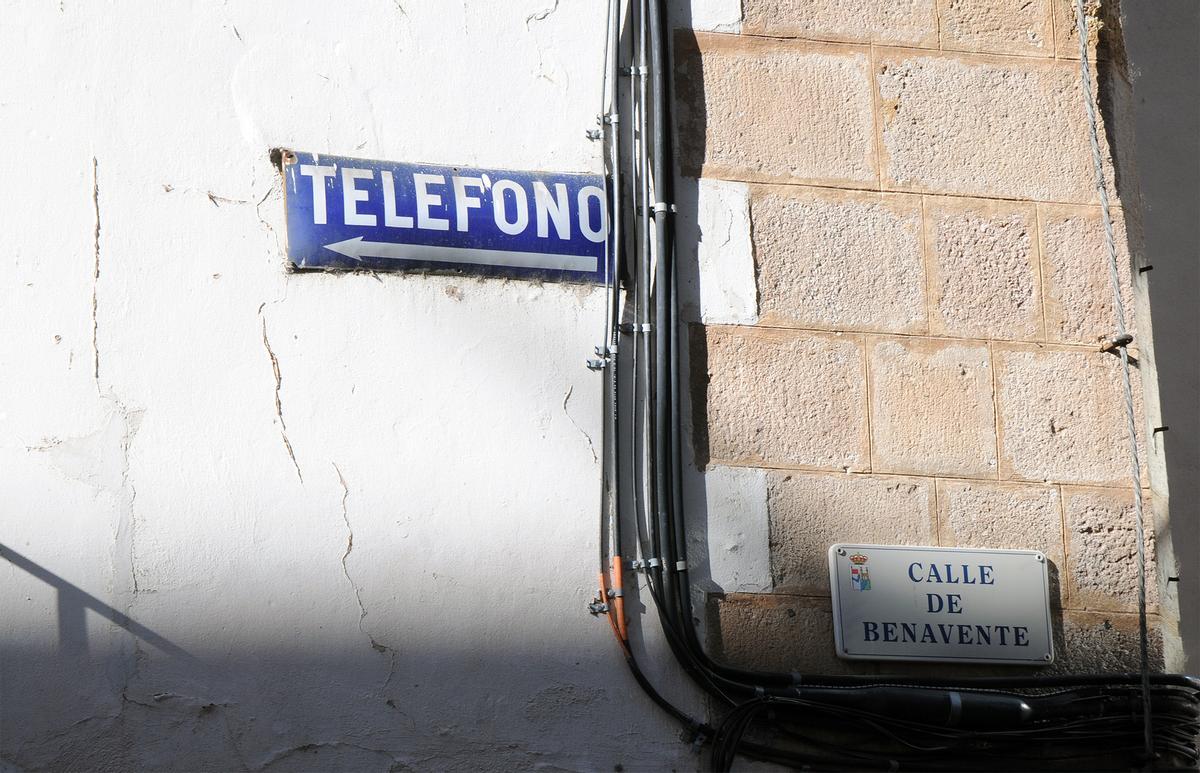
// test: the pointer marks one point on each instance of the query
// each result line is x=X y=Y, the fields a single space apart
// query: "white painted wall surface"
x=412 y=590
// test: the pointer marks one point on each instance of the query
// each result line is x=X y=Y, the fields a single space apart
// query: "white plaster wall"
x=411 y=590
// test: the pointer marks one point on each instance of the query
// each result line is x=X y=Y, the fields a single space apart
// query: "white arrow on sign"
x=357 y=249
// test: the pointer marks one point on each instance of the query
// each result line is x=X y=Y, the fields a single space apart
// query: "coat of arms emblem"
x=860 y=577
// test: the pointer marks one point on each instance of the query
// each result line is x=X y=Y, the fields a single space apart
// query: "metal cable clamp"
x=605 y=355
x=1115 y=341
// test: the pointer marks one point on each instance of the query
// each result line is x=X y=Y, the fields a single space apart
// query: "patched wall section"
x=921 y=364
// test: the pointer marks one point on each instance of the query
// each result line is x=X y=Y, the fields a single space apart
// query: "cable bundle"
x=813 y=722
x=1081 y=728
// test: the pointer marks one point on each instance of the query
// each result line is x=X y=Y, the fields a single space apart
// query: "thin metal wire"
x=608 y=103
x=613 y=280
x=1089 y=101
x=609 y=537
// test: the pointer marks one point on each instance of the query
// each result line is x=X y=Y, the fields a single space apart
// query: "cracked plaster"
x=136 y=361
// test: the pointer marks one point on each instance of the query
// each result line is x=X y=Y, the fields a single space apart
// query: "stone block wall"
x=901 y=290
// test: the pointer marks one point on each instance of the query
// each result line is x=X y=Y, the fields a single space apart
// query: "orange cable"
x=618 y=584
x=617 y=629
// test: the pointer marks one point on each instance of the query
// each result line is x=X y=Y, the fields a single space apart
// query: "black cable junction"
x=807 y=721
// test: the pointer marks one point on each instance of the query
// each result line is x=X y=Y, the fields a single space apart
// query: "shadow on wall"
x=72 y=604
x=290 y=705
x=1089 y=642
x=1160 y=39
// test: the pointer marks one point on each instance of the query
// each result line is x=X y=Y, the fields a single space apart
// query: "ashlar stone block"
x=780 y=398
x=838 y=259
x=809 y=512
x=997 y=27
x=1075 y=268
x=775 y=632
x=1004 y=516
x=1104 y=30
x=1007 y=128
x=1102 y=550
x=893 y=22
x=1062 y=415
x=931 y=408
x=762 y=110
x=983 y=269
x=1105 y=643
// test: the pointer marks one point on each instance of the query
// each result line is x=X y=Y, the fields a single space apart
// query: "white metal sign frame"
x=960 y=605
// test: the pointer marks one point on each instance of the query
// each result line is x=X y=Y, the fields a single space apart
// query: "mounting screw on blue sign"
x=347 y=213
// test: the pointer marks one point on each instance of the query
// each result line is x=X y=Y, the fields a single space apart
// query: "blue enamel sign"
x=347 y=213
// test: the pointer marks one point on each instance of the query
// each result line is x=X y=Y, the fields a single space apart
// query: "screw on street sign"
x=347 y=213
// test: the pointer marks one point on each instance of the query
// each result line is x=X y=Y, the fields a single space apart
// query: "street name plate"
x=941 y=604
x=348 y=213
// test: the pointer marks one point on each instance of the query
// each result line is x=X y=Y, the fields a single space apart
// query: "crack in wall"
x=349 y=539
x=54 y=741
x=591 y=445
x=541 y=15
x=281 y=754
x=133 y=421
x=538 y=16
x=231 y=735
x=79 y=746
x=362 y=609
x=217 y=200
x=101 y=460
x=388 y=681
x=139 y=657
x=728 y=234
x=278 y=401
x=124 y=545
x=266 y=223
x=96 y=271
x=390 y=703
